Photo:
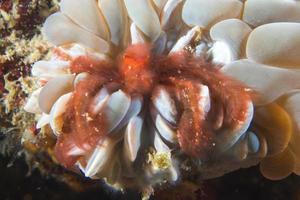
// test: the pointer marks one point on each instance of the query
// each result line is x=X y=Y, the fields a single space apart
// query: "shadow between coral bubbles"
x=245 y=184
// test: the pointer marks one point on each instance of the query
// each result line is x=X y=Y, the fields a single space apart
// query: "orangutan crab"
x=176 y=99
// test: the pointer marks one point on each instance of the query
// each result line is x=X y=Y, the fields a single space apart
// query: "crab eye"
x=145 y=93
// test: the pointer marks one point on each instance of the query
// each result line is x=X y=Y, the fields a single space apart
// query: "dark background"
x=245 y=184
